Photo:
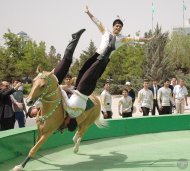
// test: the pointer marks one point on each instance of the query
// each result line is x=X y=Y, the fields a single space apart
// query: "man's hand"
x=160 y=107
x=87 y=10
x=146 y=39
x=105 y=115
x=17 y=85
x=19 y=105
x=174 y=106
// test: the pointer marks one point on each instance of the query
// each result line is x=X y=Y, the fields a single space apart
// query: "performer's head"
x=117 y=26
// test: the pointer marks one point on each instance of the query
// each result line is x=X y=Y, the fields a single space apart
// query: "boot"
x=111 y=46
x=78 y=34
x=72 y=44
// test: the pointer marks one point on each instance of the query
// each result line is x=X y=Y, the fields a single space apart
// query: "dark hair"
x=106 y=83
x=146 y=80
x=28 y=114
x=166 y=80
x=154 y=79
x=68 y=76
x=16 y=79
x=72 y=124
x=125 y=90
x=117 y=21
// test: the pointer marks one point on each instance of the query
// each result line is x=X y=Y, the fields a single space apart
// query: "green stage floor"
x=167 y=151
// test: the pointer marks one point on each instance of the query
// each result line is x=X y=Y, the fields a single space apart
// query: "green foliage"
x=179 y=51
x=157 y=63
x=52 y=58
x=125 y=63
x=20 y=57
x=27 y=88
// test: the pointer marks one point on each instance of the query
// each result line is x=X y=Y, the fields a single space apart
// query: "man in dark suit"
x=7 y=116
x=154 y=88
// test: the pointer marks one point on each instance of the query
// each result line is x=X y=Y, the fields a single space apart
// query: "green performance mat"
x=166 y=151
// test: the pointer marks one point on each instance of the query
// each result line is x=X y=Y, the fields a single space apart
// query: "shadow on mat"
x=114 y=160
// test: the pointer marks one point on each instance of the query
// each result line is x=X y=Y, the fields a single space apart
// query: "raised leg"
x=85 y=67
x=89 y=79
x=63 y=67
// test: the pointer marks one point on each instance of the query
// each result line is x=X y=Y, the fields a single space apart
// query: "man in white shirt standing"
x=145 y=99
x=106 y=102
x=180 y=96
x=125 y=105
x=165 y=98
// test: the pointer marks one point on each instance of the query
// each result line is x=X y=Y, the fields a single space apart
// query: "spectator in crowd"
x=131 y=93
x=154 y=88
x=180 y=96
x=68 y=84
x=20 y=110
x=125 y=104
x=171 y=86
x=145 y=99
x=106 y=102
x=173 y=83
x=165 y=98
x=7 y=115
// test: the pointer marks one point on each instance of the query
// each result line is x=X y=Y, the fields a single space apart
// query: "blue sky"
x=53 y=21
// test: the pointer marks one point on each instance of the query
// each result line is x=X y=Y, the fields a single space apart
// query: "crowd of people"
x=172 y=95
x=151 y=98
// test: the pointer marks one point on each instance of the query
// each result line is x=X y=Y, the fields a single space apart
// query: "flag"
x=153 y=8
x=184 y=6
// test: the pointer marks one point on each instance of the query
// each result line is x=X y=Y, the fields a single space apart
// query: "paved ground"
x=167 y=151
x=31 y=122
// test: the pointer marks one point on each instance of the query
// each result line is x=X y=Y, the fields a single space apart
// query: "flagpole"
x=183 y=13
x=152 y=16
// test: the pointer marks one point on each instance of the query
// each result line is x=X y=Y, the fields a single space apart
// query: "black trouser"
x=126 y=114
x=7 y=123
x=87 y=83
x=166 y=110
x=145 y=111
x=155 y=106
x=85 y=67
x=109 y=115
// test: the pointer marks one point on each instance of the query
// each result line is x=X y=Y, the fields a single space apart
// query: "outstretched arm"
x=143 y=39
x=95 y=20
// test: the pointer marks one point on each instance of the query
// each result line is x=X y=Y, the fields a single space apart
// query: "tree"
x=85 y=55
x=20 y=56
x=179 y=50
x=3 y=62
x=157 y=63
x=53 y=58
x=125 y=63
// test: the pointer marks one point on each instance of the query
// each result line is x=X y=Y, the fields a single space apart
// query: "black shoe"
x=78 y=34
